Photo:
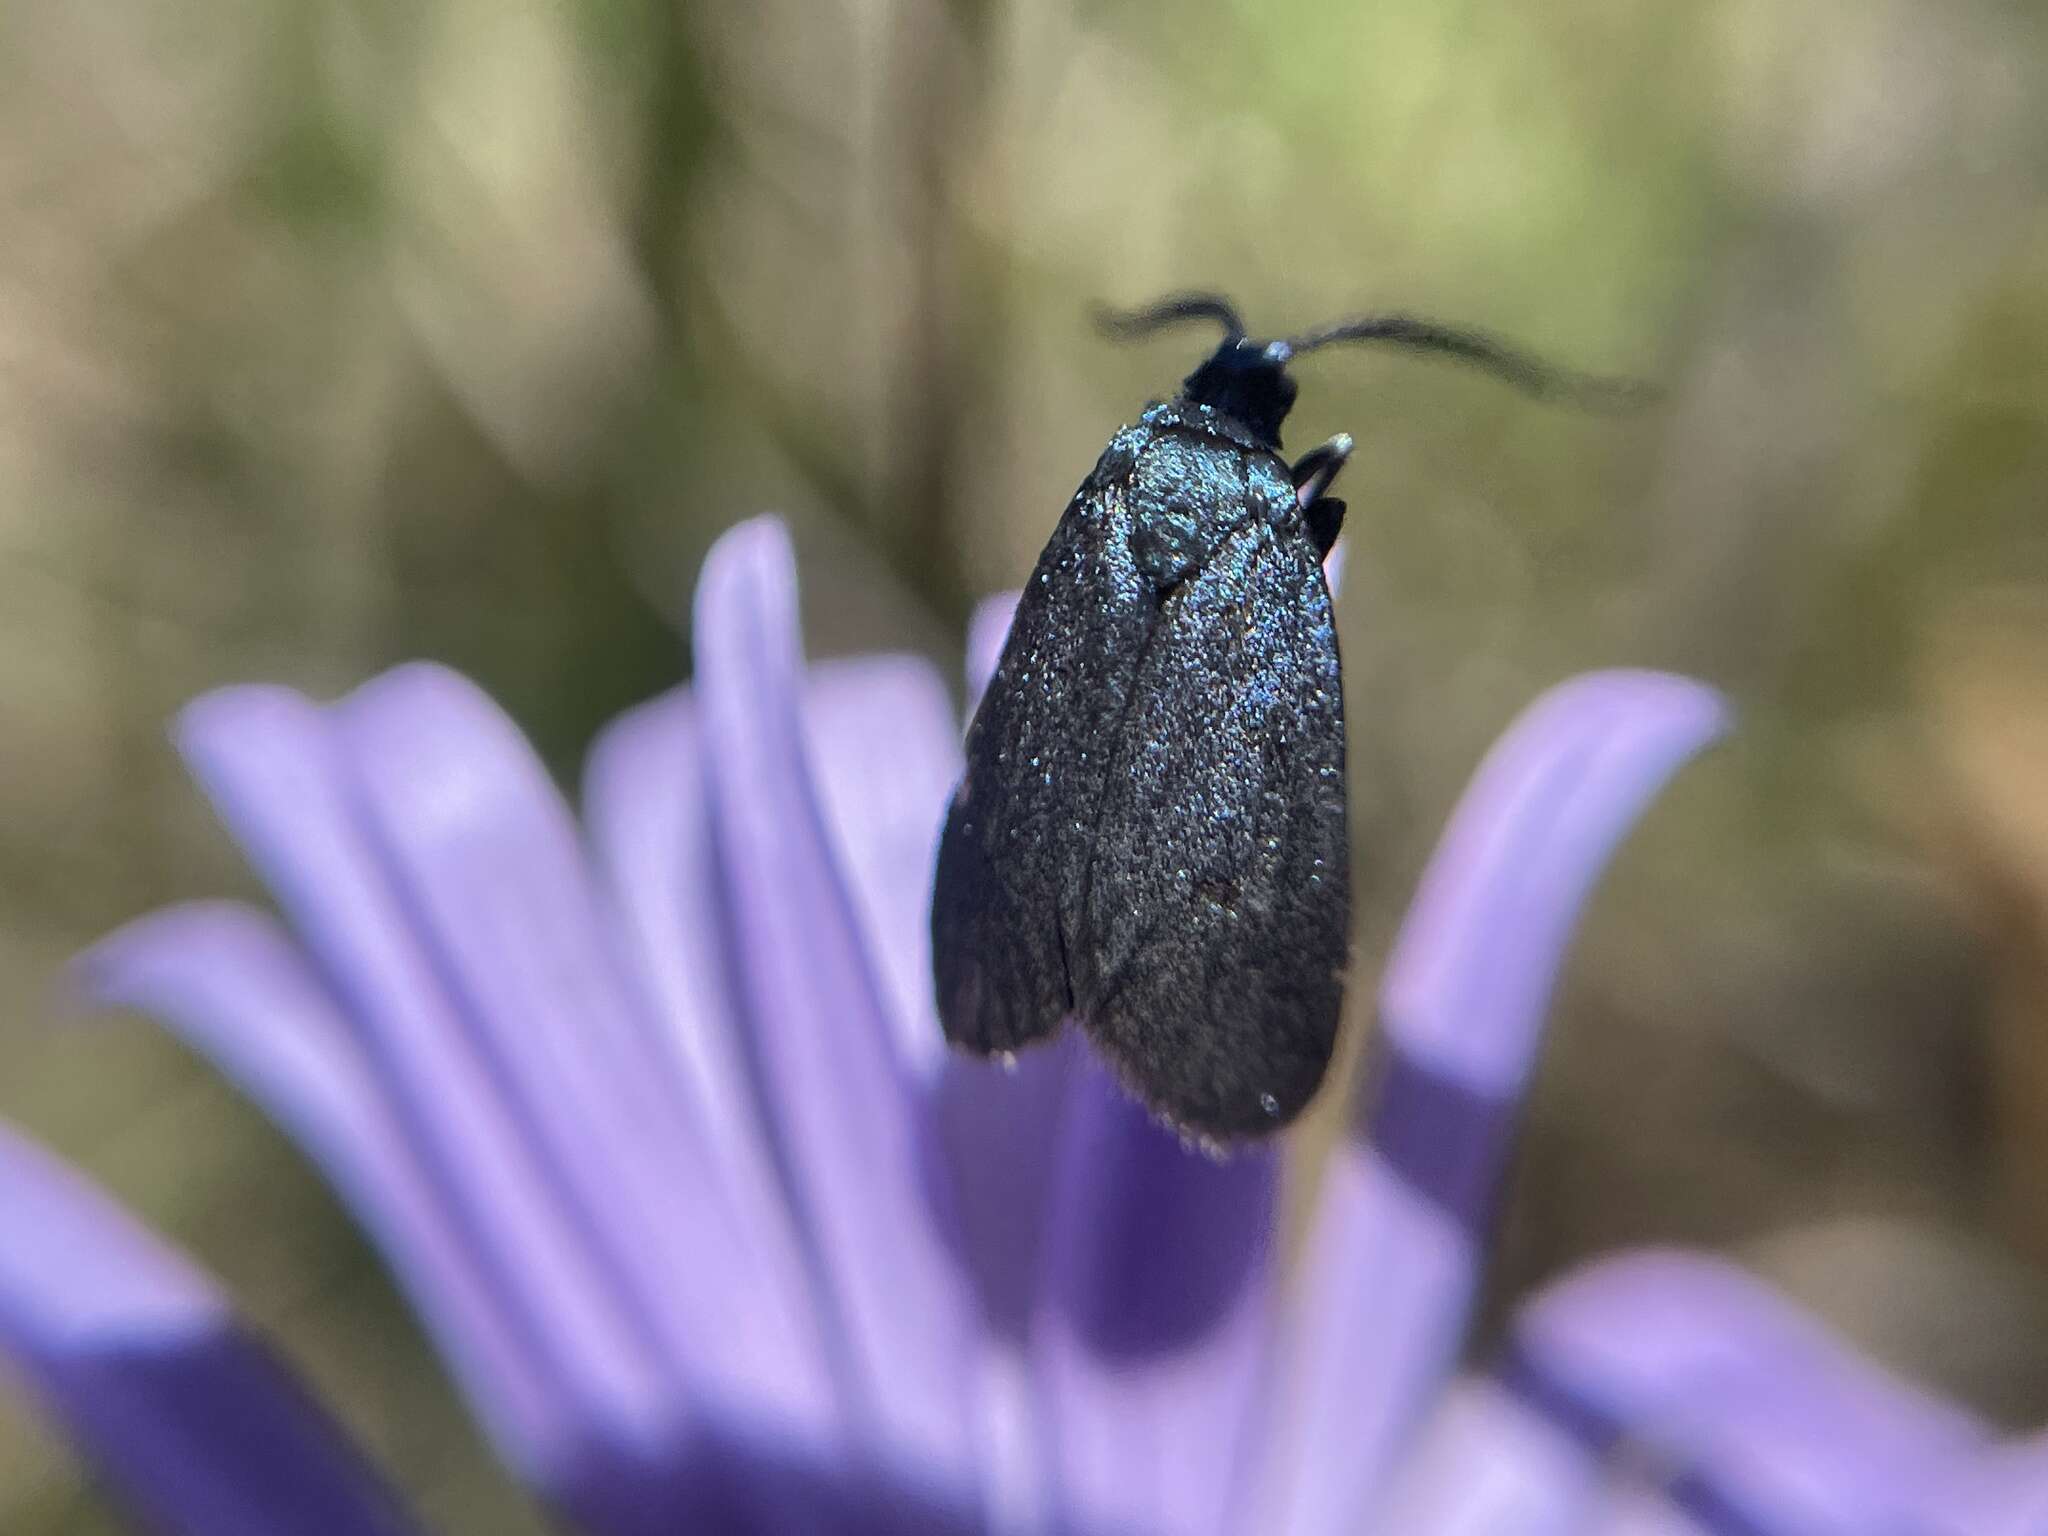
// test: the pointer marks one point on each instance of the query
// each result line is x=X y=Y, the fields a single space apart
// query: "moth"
x=1151 y=833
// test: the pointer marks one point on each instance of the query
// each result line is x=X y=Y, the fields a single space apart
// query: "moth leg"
x=1325 y=519
x=1312 y=476
x=1314 y=471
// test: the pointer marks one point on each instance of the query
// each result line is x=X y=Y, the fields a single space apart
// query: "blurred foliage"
x=339 y=331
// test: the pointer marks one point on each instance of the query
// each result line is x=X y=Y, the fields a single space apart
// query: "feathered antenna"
x=1127 y=324
x=1521 y=369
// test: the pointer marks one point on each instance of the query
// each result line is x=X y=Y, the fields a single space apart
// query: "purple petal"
x=1487 y=1462
x=1382 y=1293
x=842 y=1106
x=1775 y=1423
x=1632 y=1509
x=269 y=761
x=645 y=805
x=649 y=813
x=488 y=858
x=2003 y=1492
x=886 y=751
x=1157 y=1327
x=1001 y=1127
x=195 y=1422
x=998 y=1130
x=227 y=979
x=1017 y=1493
x=1648 y=1339
x=986 y=632
x=1791 y=1463
x=1470 y=977
x=1388 y=1276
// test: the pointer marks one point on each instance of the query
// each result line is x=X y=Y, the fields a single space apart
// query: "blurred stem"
x=677 y=127
x=895 y=486
x=933 y=369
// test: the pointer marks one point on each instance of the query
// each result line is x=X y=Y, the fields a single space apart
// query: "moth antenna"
x=1522 y=369
x=1128 y=324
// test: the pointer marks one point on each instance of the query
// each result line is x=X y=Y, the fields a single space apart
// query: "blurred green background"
x=334 y=332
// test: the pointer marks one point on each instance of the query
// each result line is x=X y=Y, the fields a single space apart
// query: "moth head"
x=1244 y=378
x=1247 y=380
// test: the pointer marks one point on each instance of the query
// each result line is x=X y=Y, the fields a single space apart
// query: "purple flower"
x=651 y=1121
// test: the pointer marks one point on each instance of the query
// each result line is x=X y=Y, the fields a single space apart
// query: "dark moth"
x=1151 y=833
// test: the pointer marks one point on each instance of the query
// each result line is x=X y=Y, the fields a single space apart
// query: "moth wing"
x=1215 y=923
x=1014 y=851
